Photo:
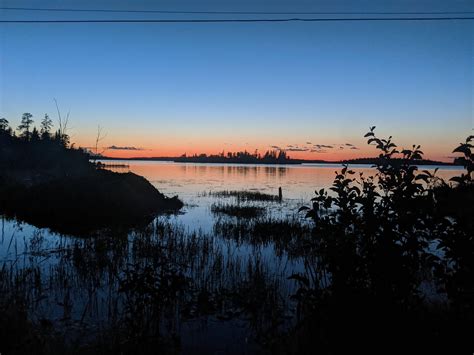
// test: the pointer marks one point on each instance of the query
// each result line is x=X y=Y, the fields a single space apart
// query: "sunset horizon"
x=171 y=89
x=348 y=147
x=232 y=177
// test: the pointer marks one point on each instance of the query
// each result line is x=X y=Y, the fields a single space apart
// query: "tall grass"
x=134 y=292
x=237 y=210
x=245 y=195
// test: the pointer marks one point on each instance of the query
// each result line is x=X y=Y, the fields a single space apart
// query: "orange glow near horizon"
x=212 y=148
x=134 y=145
x=335 y=154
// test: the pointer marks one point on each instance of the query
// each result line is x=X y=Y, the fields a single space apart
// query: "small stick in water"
x=280 y=194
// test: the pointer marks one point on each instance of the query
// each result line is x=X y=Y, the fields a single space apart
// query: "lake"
x=78 y=281
x=192 y=182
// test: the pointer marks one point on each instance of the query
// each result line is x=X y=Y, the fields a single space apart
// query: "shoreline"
x=296 y=162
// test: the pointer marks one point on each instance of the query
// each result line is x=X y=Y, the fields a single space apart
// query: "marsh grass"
x=237 y=210
x=134 y=292
x=245 y=195
x=287 y=236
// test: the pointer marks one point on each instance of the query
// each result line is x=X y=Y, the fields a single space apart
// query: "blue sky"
x=186 y=87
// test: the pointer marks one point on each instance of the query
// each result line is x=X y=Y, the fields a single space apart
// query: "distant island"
x=270 y=157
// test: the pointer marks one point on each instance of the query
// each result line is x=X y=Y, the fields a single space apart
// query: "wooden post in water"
x=280 y=194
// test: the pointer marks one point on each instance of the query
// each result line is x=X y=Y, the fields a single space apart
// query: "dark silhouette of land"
x=48 y=183
x=270 y=157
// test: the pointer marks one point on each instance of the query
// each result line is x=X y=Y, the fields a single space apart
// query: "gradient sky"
x=174 y=88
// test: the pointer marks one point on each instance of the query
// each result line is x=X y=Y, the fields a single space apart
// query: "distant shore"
x=359 y=161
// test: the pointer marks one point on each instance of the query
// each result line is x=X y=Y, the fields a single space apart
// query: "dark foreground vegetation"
x=393 y=258
x=383 y=263
x=46 y=182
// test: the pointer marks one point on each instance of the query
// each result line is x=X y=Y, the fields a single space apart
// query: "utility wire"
x=240 y=12
x=340 y=19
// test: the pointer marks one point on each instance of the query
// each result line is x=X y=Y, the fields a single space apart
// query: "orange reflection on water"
x=297 y=181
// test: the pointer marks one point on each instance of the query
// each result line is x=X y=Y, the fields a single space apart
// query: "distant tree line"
x=269 y=157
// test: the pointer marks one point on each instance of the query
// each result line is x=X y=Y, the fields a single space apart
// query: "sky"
x=310 y=88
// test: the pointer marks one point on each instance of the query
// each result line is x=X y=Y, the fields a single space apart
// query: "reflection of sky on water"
x=193 y=182
x=22 y=245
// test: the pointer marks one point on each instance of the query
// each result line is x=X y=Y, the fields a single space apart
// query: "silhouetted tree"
x=46 y=125
x=3 y=124
x=35 y=136
x=282 y=155
x=24 y=127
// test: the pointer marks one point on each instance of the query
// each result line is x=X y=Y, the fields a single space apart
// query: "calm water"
x=23 y=245
x=192 y=183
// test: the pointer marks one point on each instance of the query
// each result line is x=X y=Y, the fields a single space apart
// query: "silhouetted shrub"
x=379 y=241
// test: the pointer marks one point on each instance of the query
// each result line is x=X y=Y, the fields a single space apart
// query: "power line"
x=333 y=19
x=241 y=12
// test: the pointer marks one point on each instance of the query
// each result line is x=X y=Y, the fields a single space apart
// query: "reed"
x=245 y=195
x=237 y=210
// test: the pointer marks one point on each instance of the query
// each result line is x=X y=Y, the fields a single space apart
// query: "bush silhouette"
x=378 y=241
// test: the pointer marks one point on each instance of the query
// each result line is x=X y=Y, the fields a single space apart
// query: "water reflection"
x=212 y=266
x=297 y=181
